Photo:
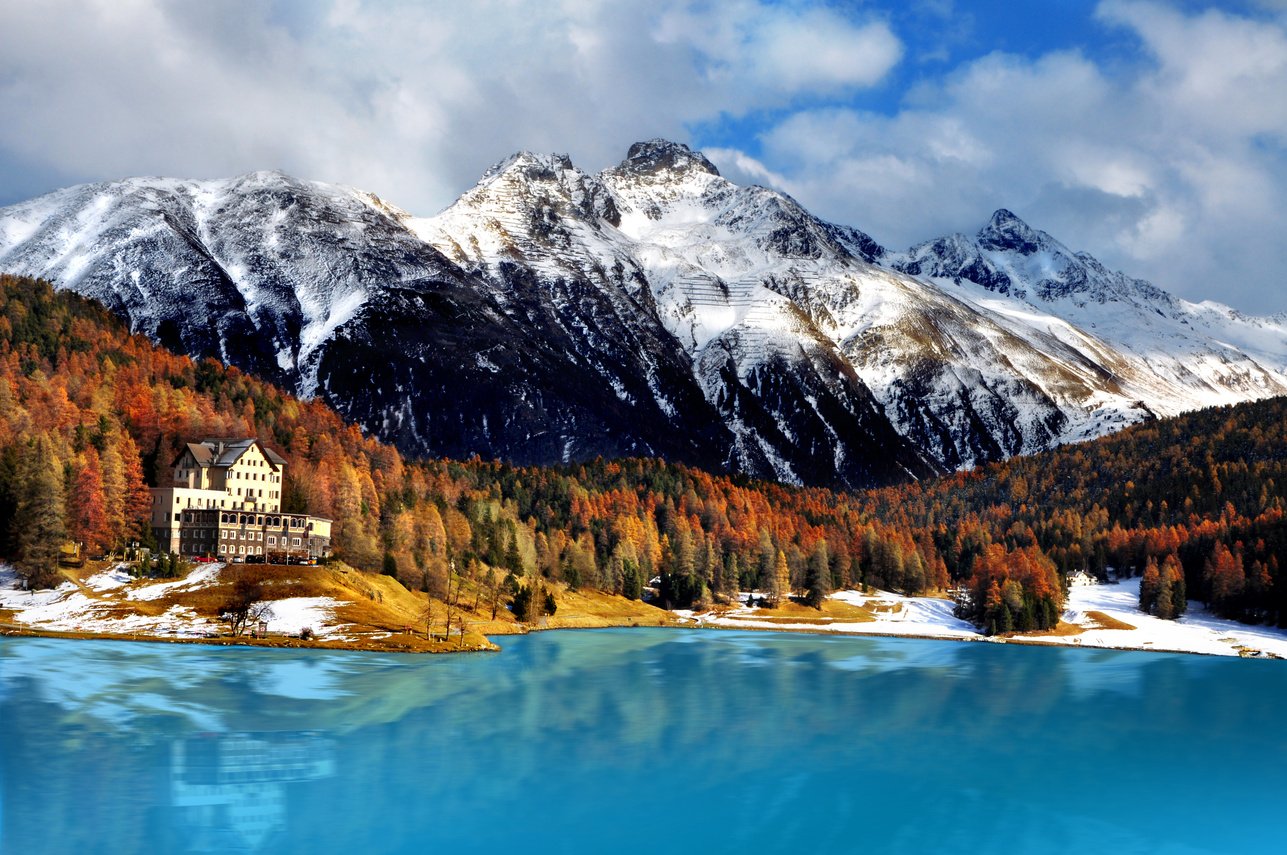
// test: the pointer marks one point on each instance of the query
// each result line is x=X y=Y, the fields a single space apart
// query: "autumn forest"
x=90 y=415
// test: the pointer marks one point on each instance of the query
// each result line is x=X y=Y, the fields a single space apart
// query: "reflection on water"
x=636 y=740
x=228 y=790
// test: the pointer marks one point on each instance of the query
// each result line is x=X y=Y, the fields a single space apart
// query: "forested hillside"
x=89 y=412
x=1200 y=495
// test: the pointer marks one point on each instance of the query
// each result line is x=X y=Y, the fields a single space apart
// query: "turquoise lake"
x=639 y=740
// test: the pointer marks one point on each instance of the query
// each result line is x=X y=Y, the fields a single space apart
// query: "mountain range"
x=655 y=308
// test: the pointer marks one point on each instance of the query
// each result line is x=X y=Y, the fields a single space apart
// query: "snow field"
x=1197 y=632
x=68 y=608
x=928 y=617
x=291 y=615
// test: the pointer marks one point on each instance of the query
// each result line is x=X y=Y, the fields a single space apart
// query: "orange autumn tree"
x=1014 y=590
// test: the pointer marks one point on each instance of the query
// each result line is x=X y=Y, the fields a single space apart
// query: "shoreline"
x=350 y=611
x=492 y=646
x=9 y=630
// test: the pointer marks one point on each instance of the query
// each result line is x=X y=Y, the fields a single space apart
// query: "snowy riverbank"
x=113 y=603
x=1197 y=632
x=929 y=617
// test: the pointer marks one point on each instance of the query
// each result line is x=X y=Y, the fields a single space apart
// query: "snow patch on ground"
x=13 y=597
x=1197 y=632
x=108 y=580
x=930 y=617
x=894 y=613
x=293 y=614
x=101 y=608
x=67 y=609
x=201 y=577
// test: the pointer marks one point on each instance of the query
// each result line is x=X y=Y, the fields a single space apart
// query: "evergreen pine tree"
x=1150 y=587
x=137 y=497
x=818 y=583
x=38 y=518
x=780 y=587
x=1172 y=574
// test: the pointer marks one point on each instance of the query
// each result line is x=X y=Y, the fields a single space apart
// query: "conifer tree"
x=1150 y=587
x=780 y=588
x=86 y=508
x=1163 y=603
x=114 y=491
x=38 y=518
x=818 y=583
x=1172 y=570
x=137 y=498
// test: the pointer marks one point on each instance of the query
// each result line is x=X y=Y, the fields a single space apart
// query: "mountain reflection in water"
x=636 y=740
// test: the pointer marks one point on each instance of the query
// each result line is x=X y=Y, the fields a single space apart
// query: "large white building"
x=225 y=502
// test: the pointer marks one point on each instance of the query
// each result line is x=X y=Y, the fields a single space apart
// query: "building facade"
x=225 y=502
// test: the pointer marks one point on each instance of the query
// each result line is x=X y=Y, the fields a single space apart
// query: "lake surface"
x=639 y=740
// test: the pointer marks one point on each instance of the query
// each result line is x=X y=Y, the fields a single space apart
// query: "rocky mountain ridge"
x=551 y=315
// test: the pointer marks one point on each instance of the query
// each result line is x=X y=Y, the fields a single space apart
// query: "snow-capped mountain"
x=655 y=308
x=1173 y=355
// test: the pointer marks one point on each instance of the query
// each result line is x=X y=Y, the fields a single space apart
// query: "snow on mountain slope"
x=219 y=267
x=655 y=308
x=1004 y=344
x=323 y=290
x=668 y=259
x=1173 y=355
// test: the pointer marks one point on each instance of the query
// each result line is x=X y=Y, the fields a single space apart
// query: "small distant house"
x=225 y=500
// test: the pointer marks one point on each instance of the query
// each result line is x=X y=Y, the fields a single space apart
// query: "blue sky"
x=1151 y=133
x=940 y=36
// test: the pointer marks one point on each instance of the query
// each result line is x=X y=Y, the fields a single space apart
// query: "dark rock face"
x=955 y=258
x=657 y=155
x=1008 y=233
x=439 y=369
x=1060 y=273
x=799 y=408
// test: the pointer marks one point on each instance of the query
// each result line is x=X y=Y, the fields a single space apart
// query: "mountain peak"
x=531 y=164
x=1005 y=231
x=656 y=155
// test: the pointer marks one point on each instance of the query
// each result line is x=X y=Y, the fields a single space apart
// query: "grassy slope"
x=380 y=613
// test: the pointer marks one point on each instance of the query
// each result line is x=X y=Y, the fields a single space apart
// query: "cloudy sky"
x=1152 y=134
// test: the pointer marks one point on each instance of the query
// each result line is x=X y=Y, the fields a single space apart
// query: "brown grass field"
x=380 y=614
x=795 y=612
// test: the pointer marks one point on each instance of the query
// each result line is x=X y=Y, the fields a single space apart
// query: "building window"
x=295 y=541
x=272 y=541
x=222 y=548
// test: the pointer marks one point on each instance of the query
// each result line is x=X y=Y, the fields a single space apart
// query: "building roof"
x=223 y=453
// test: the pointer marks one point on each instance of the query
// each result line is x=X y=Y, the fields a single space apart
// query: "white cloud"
x=1175 y=169
x=411 y=100
x=740 y=168
x=784 y=49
